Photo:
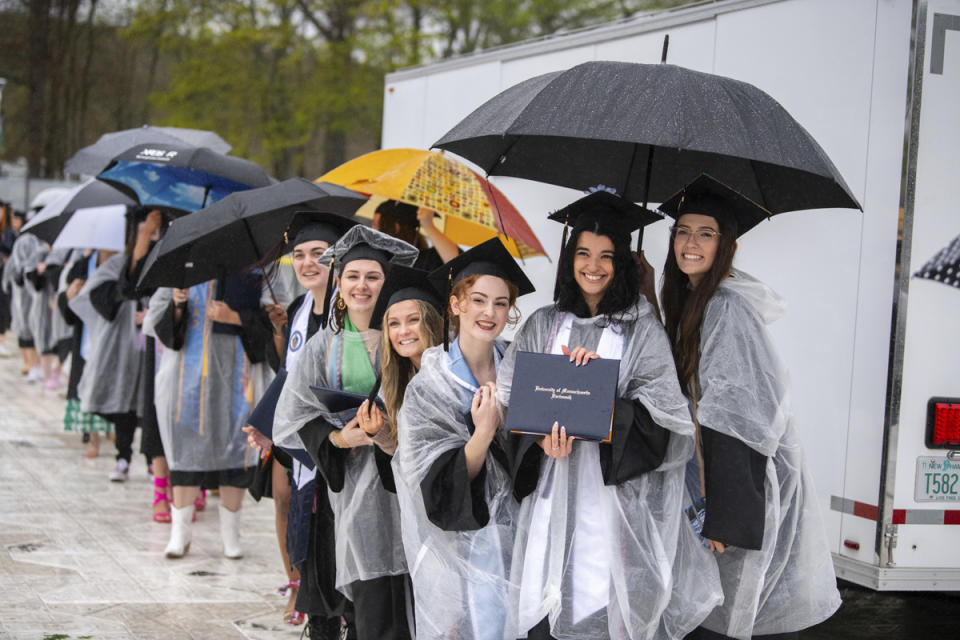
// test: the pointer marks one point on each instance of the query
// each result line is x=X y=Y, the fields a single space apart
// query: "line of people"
x=698 y=519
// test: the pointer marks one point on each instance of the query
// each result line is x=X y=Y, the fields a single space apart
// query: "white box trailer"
x=877 y=83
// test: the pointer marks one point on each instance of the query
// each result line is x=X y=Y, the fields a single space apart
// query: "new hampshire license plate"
x=938 y=480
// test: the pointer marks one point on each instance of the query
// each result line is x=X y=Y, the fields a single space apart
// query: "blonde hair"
x=396 y=370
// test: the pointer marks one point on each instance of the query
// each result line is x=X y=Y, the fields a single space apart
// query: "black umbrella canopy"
x=238 y=231
x=943 y=267
x=597 y=123
x=92 y=159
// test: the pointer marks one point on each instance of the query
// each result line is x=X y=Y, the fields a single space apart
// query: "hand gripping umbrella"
x=50 y=220
x=647 y=130
x=92 y=159
x=180 y=179
x=237 y=232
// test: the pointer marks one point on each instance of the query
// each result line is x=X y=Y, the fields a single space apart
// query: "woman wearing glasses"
x=761 y=517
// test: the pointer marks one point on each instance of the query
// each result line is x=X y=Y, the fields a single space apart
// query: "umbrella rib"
x=256 y=251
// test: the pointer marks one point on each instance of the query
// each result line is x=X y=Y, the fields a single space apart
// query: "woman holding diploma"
x=602 y=542
x=451 y=471
x=344 y=355
x=761 y=517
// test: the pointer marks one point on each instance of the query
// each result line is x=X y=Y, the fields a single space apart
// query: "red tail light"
x=943 y=423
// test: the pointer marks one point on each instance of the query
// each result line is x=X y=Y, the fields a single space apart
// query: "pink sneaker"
x=53 y=382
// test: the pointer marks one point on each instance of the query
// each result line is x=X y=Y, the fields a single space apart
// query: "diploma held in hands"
x=549 y=388
x=344 y=403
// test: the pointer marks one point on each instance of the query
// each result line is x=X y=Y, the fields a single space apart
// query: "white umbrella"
x=94 y=228
x=48 y=222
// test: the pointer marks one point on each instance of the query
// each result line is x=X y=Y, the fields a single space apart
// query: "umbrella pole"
x=646 y=191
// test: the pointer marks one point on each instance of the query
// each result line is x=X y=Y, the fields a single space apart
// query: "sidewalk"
x=81 y=556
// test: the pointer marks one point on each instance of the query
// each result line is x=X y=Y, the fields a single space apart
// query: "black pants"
x=701 y=633
x=380 y=608
x=125 y=425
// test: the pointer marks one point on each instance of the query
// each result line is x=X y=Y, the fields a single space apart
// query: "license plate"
x=938 y=480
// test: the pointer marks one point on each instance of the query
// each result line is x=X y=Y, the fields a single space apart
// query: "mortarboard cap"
x=404 y=283
x=709 y=197
x=315 y=225
x=608 y=208
x=401 y=211
x=489 y=258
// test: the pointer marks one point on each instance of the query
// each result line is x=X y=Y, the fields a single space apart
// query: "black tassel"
x=326 y=296
x=446 y=312
x=563 y=245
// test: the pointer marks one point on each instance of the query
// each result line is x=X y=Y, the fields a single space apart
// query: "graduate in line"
x=370 y=566
x=212 y=372
x=761 y=518
x=602 y=543
x=451 y=471
x=304 y=518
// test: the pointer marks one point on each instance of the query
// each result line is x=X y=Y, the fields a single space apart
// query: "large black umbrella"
x=943 y=267
x=181 y=178
x=646 y=130
x=238 y=231
x=49 y=221
x=93 y=158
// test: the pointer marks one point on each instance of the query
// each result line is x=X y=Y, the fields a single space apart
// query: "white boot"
x=230 y=532
x=181 y=531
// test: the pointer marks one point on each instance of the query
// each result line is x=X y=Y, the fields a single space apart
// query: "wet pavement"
x=82 y=558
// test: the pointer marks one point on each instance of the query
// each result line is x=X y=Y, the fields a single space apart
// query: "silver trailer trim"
x=896 y=579
x=886 y=535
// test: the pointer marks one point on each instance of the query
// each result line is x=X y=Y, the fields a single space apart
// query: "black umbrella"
x=49 y=221
x=647 y=130
x=93 y=158
x=181 y=178
x=238 y=231
x=943 y=267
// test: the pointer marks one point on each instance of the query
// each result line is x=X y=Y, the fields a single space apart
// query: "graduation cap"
x=401 y=211
x=404 y=283
x=315 y=225
x=364 y=243
x=607 y=208
x=709 y=197
x=489 y=258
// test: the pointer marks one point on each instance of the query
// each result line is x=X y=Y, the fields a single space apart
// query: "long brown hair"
x=684 y=306
x=396 y=370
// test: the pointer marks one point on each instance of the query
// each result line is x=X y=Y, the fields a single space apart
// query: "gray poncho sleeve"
x=460 y=569
x=634 y=568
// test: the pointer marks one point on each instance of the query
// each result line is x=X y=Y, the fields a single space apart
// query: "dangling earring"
x=340 y=304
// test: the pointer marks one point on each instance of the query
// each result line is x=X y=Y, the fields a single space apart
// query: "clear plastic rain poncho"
x=460 y=578
x=62 y=258
x=27 y=251
x=612 y=561
x=744 y=392
x=113 y=349
x=366 y=516
x=205 y=390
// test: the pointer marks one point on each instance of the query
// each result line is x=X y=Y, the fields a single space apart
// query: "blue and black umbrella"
x=181 y=179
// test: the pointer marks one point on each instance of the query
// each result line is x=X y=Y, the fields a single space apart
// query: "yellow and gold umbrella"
x=472 y=209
